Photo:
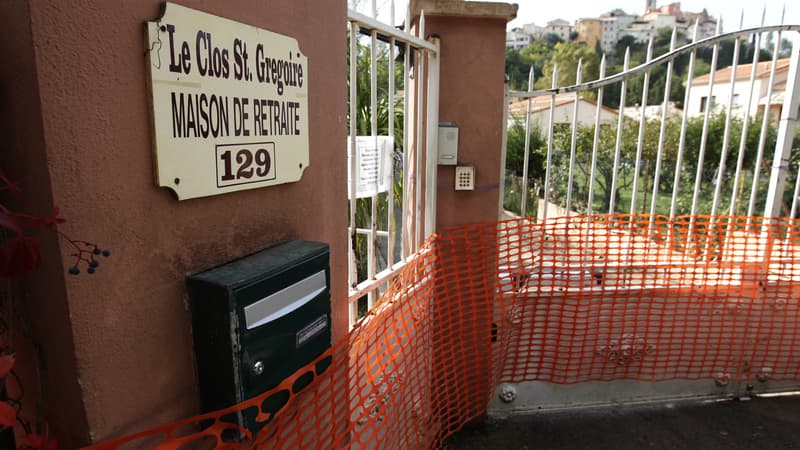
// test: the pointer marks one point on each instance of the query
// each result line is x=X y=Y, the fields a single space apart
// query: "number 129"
x=237 y=164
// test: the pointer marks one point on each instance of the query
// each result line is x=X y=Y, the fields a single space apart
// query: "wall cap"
x=462 y=8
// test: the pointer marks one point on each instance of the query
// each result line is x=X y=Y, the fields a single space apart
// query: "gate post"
x=471 y=94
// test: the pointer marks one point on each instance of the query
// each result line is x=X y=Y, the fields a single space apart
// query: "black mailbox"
x=257 y=320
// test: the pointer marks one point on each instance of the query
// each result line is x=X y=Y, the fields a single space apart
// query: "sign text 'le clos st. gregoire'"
x=230 y=104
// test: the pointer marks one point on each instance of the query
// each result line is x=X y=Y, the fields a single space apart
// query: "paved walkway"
x=760 y=423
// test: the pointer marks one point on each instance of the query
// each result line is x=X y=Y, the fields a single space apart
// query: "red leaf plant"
x=19 y=255
x=8 y=415
x=41 y=441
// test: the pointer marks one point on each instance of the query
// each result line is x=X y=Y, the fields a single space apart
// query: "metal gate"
x=701 y=157
x=393 y=115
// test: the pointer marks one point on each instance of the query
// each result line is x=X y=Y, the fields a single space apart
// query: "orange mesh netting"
x=567 y=300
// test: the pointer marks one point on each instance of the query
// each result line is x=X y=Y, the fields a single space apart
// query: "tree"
x=515 y=150
x=515 y=154
x=786 y=48
x=536 y=55
x=552 y=39
x=604 y=171
x=516 y=70
x=566 y=56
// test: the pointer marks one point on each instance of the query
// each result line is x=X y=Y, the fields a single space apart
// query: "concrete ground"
x=760 y=423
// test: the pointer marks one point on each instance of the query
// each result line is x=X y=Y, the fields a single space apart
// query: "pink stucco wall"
x=471 y=94
x=117 y=350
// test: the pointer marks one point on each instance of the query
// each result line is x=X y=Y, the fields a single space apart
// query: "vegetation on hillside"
x=544 y=54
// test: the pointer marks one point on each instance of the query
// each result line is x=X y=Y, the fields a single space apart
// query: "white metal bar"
x=737 y=181
x=367 y=231
x=503 y=154
x=353 y=265
x=596 y=139
x=783 y=145
x=390 y=199
x=408 y=182
x=574 y=140
x=698 y=180
x=795 y=195
x=724 y=152
x=726 y=134
x=419 y=185
x=432 y=144
x=684 y=122
x=372 y=242
x=380 y=278
x=618 y=145
x=526 y=157
x=762 y=140
x=384 y=276
x=549 y=158
x=353 y=149
x=642 y=124
x=388 y=30
x=662 y=132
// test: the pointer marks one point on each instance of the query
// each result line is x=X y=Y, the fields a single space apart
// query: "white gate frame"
x=786 y=128
x=418 y=223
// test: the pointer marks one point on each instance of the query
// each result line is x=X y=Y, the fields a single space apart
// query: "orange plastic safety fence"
x=567 y=300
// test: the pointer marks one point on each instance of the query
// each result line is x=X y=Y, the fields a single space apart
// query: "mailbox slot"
x=257 y=320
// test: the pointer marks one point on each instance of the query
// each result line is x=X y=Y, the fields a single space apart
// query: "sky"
x=542 y=11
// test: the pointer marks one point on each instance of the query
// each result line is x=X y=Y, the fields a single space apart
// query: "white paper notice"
x=373 y=165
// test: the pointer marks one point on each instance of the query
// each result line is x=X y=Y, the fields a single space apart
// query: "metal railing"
x=388 y=225
x=726 y=183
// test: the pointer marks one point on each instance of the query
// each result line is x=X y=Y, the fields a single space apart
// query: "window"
x=704 y=101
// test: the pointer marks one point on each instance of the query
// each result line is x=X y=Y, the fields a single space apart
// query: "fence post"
x=503 y=155
x=432 y=139
x=783 y=146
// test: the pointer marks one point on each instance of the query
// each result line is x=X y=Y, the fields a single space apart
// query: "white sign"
x=373 y=165
x=230 y=104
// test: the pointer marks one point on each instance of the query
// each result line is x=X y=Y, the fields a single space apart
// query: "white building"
x=668 y=16
x=658 y=19
x=640 y=30
x=650 y=111
x=521 y=37
x=707 y=24
x=562 y=113
x=518 y=39
x=559 y=27
x=617 y=23
x=534 y=30
x=720 y=95
x=614 y=22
